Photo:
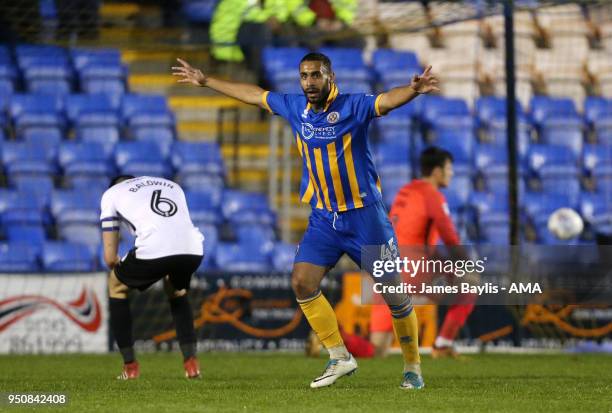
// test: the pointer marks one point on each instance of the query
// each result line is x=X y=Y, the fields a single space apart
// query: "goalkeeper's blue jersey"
x=338 y=172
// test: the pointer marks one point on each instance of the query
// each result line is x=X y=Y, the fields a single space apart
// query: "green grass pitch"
x=279 y=383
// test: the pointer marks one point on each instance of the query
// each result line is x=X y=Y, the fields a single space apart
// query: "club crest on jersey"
x=333 y=117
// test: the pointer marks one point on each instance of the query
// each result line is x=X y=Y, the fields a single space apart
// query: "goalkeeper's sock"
x=121 y=325
x=455 y=318
x=183 y=320
x=322 y=319
x=406 y=328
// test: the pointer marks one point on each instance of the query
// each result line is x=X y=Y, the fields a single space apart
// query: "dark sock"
x=183 y=320
x=121 y=325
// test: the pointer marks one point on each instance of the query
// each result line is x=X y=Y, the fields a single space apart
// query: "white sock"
x=443 y=342
x=412 y=367
x=339 y=352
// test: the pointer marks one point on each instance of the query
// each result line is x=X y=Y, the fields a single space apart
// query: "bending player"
x=340 y=183
x=420 y=216
x=167 y=247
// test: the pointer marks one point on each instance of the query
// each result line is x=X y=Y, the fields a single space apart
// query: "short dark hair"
x=433 y=157
x=317 y=57
x=120 y=178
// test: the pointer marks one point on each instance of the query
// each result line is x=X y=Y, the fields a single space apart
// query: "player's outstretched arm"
x=424 y=83
x=244 y=92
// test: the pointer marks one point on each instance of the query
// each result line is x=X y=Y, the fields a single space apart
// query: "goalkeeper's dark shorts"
x=141 y=274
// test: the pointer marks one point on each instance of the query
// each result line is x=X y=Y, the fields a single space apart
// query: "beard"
x=320 y=97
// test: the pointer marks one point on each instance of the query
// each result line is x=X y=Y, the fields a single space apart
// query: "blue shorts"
x=331 y=234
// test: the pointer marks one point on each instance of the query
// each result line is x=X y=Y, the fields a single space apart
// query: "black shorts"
x=141 y=274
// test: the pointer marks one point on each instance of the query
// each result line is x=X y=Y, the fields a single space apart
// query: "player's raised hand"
x=188 y=74
x=425 y=82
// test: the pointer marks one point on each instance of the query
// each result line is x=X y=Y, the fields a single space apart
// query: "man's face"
x=446 y=174
x=316 y=82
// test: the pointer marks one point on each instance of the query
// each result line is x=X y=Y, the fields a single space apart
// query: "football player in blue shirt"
x=340 y=183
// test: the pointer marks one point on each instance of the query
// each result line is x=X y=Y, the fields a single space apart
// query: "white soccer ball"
x=565 y=223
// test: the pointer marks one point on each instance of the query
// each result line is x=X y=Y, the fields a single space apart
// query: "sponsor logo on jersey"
x=325 y=132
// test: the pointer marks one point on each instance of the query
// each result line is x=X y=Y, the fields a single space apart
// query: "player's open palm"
x=188 y=74
x=425 y=82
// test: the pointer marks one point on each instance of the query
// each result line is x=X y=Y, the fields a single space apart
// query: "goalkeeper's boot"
x=445 y=352
x=412 y=381
x=192 y=368
x=131 y=371
x=335 y=369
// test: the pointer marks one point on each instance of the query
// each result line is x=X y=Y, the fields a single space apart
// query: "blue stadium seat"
x=401 y=117
x=100 y=77
x=95 y=183
x=392 y=179
x=489 y=108
x=241 y=258
x=49 y=138
x=395 y=67
x=26 y=234
x=459 y=143
x=36 y=111
x=211 y=239
x=354 y=86
x=106 y=136
x=495 y=234
x=89 y=235
x=30 y=52
x=288 y=86
x=84 y=158
x=563 y=130
x=18 y=257
x=204 y=205
x=392 y=154
x=197 y=157
x=141 y=158
x=281 y=63
x=75 y=206
x=597 y=160
x=255 y=234
x=555 y=168
x=542 y=107
x=595 y=209
x=84 y=57
x=51 y=77
x=348 y=64
x=160 y=135
x=497 y=134
x=24 y=158
x=133 y=105
x=491 y=164
x=537 y=206
x=491 y=209
x=91 y=110
x=60 y=256
x=594 y=106
x=436 y=106
x=8 y=77
x=603 y=127
x=38 y=187
x=283 y=256
x=198 y=11
x=18 y=208
x=246 y=208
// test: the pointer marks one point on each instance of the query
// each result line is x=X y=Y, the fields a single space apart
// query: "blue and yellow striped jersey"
x=338 y=171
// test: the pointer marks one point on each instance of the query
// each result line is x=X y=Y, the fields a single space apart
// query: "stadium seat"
x=436 y=106
x=75 y=206
x=595 y=209
x=8 y=78
x=91 y=110
x=392 y=179
x=24 y=158
x=255 y=234
x=197 y=157
x=49 y=138
x=60 y=256
x=100 y=77
x=26 y=54
x=394 y=67
x=241 y=258
x=459 y=143
x=246 y=208
x=281 y=63
x=49 y=77
x=594 y=106
x=542 y=107
x=392 y=154
x=84 y=57
x=26 y=234
x=563 y=130
x=283 y=257
x=160 y=135
x=155 y=106
x=491 y=164
x=84 y=158
x=491 y=209
x=38 y=187
x=107 y=136
x=537 y=206
x=18 y=257
x=198 y=11
x=18 y=208
x=597 y=161
x=89 y=235
x=348 y=64
x=204 y=205
x=195 y=181
x=489 y=108
x=211 y=239
x=36 y=111
x=555 y=168
x=141 y=158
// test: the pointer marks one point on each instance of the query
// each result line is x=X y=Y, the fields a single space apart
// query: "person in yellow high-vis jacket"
x=230 y=15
